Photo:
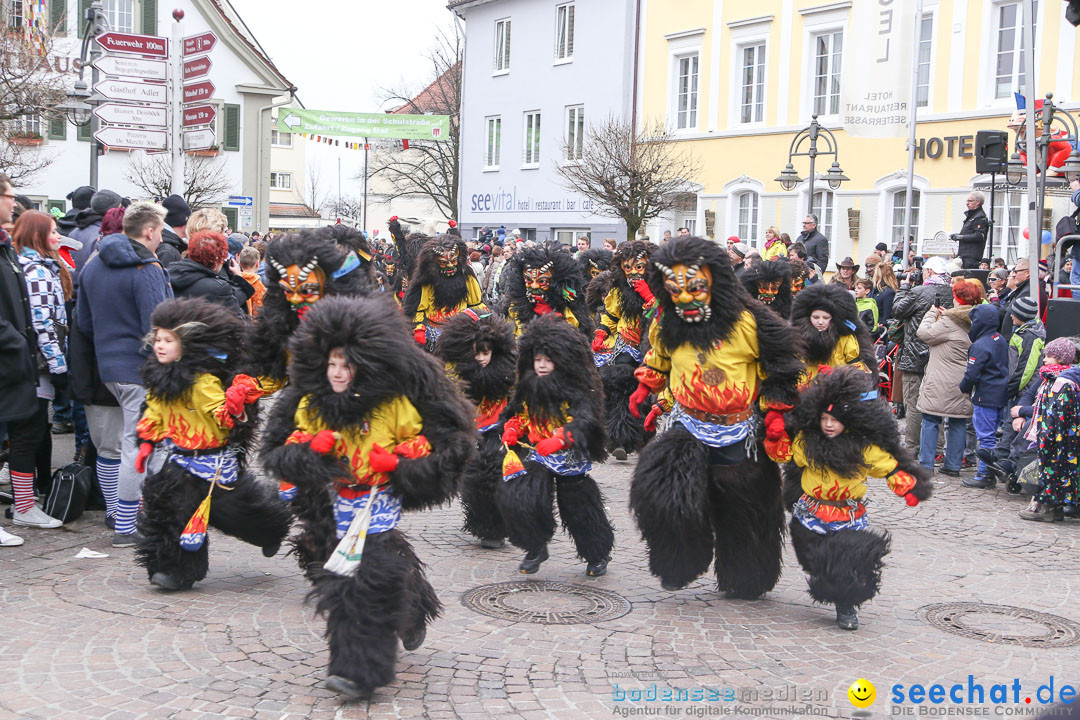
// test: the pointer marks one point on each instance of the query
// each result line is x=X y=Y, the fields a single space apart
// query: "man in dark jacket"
x=88 y=225
x=910 y=306
x=174 y=236
x=987 y=379
x=972 y=236
x=80 y=200
x=816 y=244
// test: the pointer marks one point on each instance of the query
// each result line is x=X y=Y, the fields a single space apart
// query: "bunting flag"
x=349 y=145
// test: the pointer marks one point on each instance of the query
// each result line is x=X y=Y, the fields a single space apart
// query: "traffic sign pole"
x=177 y=105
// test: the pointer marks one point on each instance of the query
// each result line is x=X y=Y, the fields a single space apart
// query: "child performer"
x=827 y=318
x=368 y=426
x=202 y=422
x=557 y=414
x=844 y=433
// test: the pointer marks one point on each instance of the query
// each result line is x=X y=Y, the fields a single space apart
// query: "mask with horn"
x=634 y=267
x=537 y=281
x=303 y=285
x=446 y=257
x=690 y=288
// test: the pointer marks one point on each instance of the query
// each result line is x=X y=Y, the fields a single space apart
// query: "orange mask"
x=446 y=256
x=690 y=288
x=634 y=268
x=537 y=282
x=303 y=286
x=766 y=291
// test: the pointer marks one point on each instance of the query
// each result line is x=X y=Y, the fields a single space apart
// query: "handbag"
x=70 y=490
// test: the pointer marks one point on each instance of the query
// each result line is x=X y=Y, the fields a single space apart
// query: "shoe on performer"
x=492 y=543
x=123 y=540
x=414 y=638
x=847 y=617
x=167 y=582
x=346 y=687
x=531 y=563
x=596 y=569
x=271 y=550
x=618 y=453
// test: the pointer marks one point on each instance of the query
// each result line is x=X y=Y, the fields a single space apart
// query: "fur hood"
x=767 y=272
x=461 y=337
x=449 y=290
x=598 y=258
x=567 y=285
x=961 y=315
x=597 y=290
x=838 y=301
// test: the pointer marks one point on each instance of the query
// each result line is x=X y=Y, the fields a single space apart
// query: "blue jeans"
x=954 y=441
x=986 y=421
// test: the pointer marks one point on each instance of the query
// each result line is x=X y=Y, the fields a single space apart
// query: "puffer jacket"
x=910 y=307
x=987 y=373
x=947 y=336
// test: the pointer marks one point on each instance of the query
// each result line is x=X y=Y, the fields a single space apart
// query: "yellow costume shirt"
x=197 y=421
x=846 y=352
x=426 y=312
x=825 y=484
x=519 y=328
x=614 y=322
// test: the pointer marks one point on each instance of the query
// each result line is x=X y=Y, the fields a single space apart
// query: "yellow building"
x=736 y=79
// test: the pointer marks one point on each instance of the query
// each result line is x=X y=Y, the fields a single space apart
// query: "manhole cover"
x=546 y=603
x=1004 y=625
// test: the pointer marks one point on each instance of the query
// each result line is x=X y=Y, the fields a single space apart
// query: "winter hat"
x=937 y=265
x=1062 y=349
x=236 y=243
x=178 y=211
x=740 y=249
x=80 y=197
x=1044 y=266
x=1024 y=308
x=103 y=201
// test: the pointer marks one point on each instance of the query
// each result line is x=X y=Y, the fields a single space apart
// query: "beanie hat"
x=103 y=201
x=1024 y=308
x=937 y=265
x=80 y=197
x=1044 y=266
x=178 y=211
x=740 y=249
x=236 y=243
x=1062 y=349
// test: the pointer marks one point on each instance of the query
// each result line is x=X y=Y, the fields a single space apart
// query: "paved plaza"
x=90 y=638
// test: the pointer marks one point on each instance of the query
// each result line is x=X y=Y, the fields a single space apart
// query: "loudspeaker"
x=991 y=151
x=1062 y=318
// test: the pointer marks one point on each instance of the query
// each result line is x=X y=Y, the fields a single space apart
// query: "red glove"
x=598 y=340
x=323 y=442
x=144 y=452
x=250 y=386
x=420 y=335
x=650 y=419
x=392 y=219
x=639 y=396
x=774 y=425
x=234 y=400
x=511 y=431
x=911 y=500
x=379 y=460
x=642 y=289
x=560 y=439
x=541 y=308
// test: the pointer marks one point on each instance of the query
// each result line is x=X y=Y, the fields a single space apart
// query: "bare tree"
x=429 y=168
x=631 y=176
x=205 y=178
x=346 y=206
x=316 y=188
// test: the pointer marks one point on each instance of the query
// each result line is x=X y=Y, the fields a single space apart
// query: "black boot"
x=492 y=543
x=346 y=687
x=596 y=569
x=167 y=582
x=414 y=638
x=531 y=563
x=847 y=617
x=271 y=550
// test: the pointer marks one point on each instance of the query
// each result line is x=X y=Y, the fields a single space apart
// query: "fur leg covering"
x=623 y=429
x=482 y=477
x=669 y=498
x=792 y=474
x=367 y=611
x=844 y=568
x=170 y=498
x=581 y=507
x=251 y=511
x=526 y=505
x=748 y=519
x=313 y=507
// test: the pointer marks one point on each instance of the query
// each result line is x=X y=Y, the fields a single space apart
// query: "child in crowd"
x=986 y=379
x=866 y=305
x=249 y=266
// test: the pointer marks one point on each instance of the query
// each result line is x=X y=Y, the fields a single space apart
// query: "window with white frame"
x=828 y=48
x=822 y=207
x=568 y=237
x=121 y=14
x=748 y=203
x=280 y=139
x=896 y=229
x=493 y=143
x=502 y=45
x=752 y=83
x=27 y=126
x=1009 y=72
x=16 y=13
x=280 y=181
x=564 y=31
x=575 y=132
x=690 y=224
x=530 y=154
x=1008 y=214
x=926 y=45
x=686 y=92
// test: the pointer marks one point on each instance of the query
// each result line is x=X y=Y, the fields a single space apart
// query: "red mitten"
x=639 y=396
x=541 y=308
x=650 y=419
x=379 y=460
x=550 y=445
x=774 y=424
x=511 y=431
x=234 y=400
x=323 y=442
x=598 y=340
x=144 y=452
x=392 y=219
x=902 y=483
x=420 y=335
x=911 y=500
x=642 y=289
x=250 y=386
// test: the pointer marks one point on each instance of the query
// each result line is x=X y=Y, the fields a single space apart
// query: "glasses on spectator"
x=7 y=195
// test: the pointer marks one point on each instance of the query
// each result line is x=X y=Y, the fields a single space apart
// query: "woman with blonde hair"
x=885 y=287
x=774 y=247
x=207 y=219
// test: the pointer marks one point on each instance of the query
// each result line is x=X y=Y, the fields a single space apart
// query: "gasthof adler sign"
x=369 y=125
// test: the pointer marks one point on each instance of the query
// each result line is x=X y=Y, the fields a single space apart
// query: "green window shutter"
x=84 y=133
x=58 y=16
x=230 y=127
x=58 y=128
x=231 y=216
x=149 y=17
x=80 y=22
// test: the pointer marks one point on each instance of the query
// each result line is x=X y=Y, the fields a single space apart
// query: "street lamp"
x=77 y=110
x=788 y=178
x=835 y=176
x=1014 y=169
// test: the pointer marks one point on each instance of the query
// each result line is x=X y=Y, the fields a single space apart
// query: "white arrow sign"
x=132 y=138
x=292 y=120
x=133 y=91
x=202 y=139
x=143 y=115
x=132 y=67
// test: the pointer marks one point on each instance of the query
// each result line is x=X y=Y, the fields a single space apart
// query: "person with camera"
x=972 y=235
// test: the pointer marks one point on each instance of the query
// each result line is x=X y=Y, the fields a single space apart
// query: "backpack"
x=1068 y=225
x=70 y=489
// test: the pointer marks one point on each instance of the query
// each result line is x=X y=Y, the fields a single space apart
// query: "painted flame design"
x=719 y=400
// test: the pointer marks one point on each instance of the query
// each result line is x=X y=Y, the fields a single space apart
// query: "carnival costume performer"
x=479 y=352
x=369 y=426
x=706 y=483
x=618 y=344
x=553 y=429
x=407 y=250
x=542 y=280
x=593 y=262
x=771 y=283
x=200 y=414
x=827 y=318
x=799 y=272
x=442 y=285
x=843 y=433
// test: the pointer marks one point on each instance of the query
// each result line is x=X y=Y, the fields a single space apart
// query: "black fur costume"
x=488 y=388
x=449 y=294
x=566 y=295
x=526 y=501
x=845 y=341
x=407 y=246
x=388 y=597
x=844 y=567
x=692 y=501
x=249 y=509
x=758 y=278
x=595 y=294
x=592 y=262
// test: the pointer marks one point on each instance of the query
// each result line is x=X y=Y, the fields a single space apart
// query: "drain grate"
x=546 y=603
x=1003 y=624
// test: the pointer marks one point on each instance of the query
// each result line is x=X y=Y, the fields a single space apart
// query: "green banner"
x=365 y=125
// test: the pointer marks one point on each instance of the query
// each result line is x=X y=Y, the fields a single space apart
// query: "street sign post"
x=199 y=44
x=197 y=68
x=133 y=91
x=369 y=125
x=132 y=138
x=141 y=115
x=198 y=92
x=132 y=67
x=199 y=139
x=198 y=115
x=149 y=45
x=241 y=200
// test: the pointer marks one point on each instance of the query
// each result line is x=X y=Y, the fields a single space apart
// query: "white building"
x=526 y=104
x=248 y=87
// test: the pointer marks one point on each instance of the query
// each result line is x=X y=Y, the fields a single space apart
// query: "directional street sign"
x=133 y=91
x=132 y=138
x=132 y=67
x=199 y=115
x=202 y=139
x=141 y=115
x=134 y=44
x=199 y=91
x=369 y=125
x=197 y=67
x=241 y=200
x=199 y=44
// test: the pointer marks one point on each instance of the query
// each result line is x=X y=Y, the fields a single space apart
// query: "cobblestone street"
x=90 y=638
